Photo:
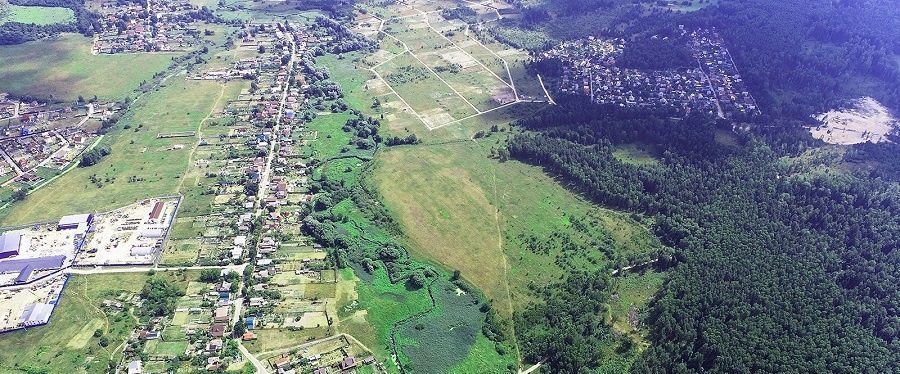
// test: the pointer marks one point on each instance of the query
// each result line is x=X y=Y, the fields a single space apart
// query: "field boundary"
x=407 y=50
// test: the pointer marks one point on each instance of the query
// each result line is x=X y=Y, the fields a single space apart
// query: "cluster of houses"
x=709 y=49
x=200 y=328
x=38 y=140
x=145 y=26
x=589 y=67
x=338 y=356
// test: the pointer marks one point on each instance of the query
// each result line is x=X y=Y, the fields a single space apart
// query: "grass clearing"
x=64 y=68
x=467 y=211
x=38 y=15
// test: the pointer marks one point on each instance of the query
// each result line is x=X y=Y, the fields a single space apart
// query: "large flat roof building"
x=36 y=314
x=9 y=244
x=75 y=221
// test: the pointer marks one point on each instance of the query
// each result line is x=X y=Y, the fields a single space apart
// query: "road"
x=260 y=368
x=144 y=269
x=264 y=186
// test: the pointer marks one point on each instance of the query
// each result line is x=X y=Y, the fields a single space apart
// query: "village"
x=264 y=284
x=146 y=26
x=39 y=140
x=589 y=68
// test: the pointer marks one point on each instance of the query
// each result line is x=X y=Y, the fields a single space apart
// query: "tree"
x=209 y=275
x=239 y=328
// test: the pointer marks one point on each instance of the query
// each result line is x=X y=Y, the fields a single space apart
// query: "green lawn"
x=136 y=153
x=39 y=15
x=64 y=68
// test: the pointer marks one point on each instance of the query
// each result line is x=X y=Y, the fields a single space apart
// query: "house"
x=217 y=330
x=214 y=345
x=282 y=363
x=248 y=336
x=212 y=363
x=348 y=363
x=220 y=314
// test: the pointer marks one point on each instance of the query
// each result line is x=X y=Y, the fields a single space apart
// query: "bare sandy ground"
x=864 y=120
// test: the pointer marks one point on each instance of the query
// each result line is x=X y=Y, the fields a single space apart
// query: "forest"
x=775 y=269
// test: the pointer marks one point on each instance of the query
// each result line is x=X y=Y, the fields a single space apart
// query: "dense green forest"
x=775 y=270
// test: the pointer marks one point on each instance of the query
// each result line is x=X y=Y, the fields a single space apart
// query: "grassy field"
x=633 y=293
x=466 y=211
x=39 y=15
x=136 y=153
x=67 y=344
x=64 y=68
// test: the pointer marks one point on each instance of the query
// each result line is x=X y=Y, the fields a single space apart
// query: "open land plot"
x=139 y=165
x=631 y=298
x=38 y=15
x=464 y=73
x=434 y=102
x=361 y=87
x=64 y=68
x=480 y=208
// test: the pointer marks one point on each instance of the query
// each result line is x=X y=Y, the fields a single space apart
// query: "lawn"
x=39 y=15
x=64 y=68
x=67 y=344
x=136 y=153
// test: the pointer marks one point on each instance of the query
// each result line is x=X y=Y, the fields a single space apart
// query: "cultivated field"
x=64 y=68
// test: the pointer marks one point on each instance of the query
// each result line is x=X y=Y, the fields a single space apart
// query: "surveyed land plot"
x=433 y=102
x=420 y=52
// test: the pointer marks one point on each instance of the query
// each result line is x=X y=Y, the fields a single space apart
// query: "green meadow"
x=38 y=15
x=64 y=68
x=139 y=166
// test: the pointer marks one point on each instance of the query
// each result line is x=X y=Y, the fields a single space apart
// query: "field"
x=435 y=71
x=136 y=152
x=471 y=220
x=64 y=68
x=39 y=15
x=67 y=344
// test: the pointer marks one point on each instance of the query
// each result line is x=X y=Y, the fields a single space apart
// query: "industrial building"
x=9 y=244
x=36 y=314
x=76 y=221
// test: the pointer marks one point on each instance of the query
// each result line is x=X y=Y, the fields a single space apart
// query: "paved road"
x=260 y=368
x=144 y=269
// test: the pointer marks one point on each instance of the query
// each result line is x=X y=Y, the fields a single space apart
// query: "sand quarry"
x=864 y=120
